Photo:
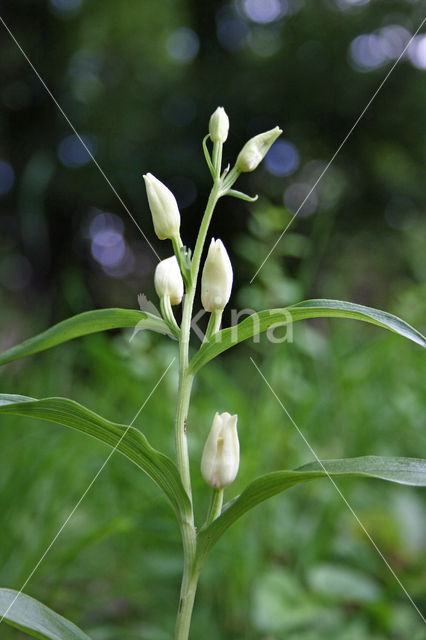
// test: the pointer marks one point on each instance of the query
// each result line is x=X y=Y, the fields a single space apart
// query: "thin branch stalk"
x=189 y=536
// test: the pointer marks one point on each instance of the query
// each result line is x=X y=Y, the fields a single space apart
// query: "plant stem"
x=215 y=507
x=217 y=158
x=189 y=536
x=211 y=203
x=213 y=325
x=186 y=604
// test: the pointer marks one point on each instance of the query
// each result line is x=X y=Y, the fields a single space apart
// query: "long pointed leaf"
x=35 y=619
x=270 y=318
x=82 y=325
x=134 y=445
x=410 y=471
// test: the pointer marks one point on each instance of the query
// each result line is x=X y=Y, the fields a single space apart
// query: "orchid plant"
x=175 y=281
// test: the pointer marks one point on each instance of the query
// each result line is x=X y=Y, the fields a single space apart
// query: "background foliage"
x=139 y=79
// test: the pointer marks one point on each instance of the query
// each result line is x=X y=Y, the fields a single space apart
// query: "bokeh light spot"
x=264 y=42
x=394 y=39
x=366 y=52
x=372 y=50
x=108 y=246
x=417 y=52
x=401 y=213
x=231 y=29
x=72 y=153
x=85 y=69
x=282 y=159
x=104 y=221
x=297 y=193
x=350 y=4
x=122 y=268
x=183 y=44
x=264 y=11
x=66 y=5
x=7 y=177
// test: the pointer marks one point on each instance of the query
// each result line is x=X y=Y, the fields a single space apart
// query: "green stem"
x=217 y=158
x=229 y=179
x=213 y=325
x=186 y=604
x=211 y=203
x=189 y=537
x=185 y=378
x=177 y=244
x=215 y=507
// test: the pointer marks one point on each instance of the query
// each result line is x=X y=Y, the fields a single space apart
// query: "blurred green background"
x=139 y=80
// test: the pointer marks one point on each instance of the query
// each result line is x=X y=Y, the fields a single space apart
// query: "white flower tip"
x=168 y=280
x=253 y=152
x=219 y=125
x=217 y=278
x=221 y=455
x=163 y=206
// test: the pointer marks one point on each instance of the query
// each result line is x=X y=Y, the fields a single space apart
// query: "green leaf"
x=410 y=471
x=84 y=324
x=134 y=445
x=271 y=318
x=34 y=618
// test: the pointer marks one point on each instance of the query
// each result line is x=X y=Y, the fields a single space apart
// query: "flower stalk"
x=221 y=453
x=215 y=507
x=214 y=323
x=190 y=573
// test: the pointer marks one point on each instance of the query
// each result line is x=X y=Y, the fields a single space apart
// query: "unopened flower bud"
x=168 y=280
x=219 y=125
x=164 y=208
x=253 y=152
x=216 y=280
x=221 y=455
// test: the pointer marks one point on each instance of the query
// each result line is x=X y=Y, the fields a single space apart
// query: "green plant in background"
x=176 y=280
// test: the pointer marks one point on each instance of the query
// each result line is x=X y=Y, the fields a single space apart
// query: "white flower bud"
x=253 y=152
x=164 y=208
x=221 y=455
x=168 y=280
x=216 y=280
x=219 y=125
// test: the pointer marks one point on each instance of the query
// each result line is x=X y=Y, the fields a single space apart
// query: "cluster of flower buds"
x=221 y=455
